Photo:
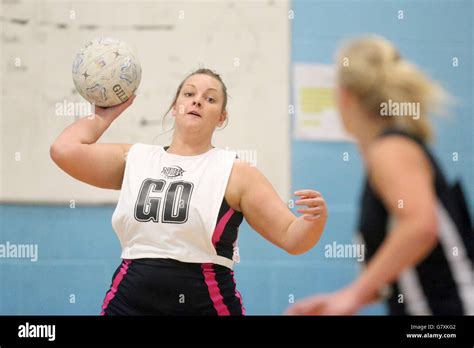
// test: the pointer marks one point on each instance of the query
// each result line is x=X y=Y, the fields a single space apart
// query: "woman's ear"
x=222 y=119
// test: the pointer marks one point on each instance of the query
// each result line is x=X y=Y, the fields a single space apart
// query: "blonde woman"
x=180 y=206
x=416 y=228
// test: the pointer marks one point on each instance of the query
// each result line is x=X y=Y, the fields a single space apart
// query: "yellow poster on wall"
x=316 y=116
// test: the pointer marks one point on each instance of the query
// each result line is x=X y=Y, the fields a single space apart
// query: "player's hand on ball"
x=314 y=201
x=114 y=111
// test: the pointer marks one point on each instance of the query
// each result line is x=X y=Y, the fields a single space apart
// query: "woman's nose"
x=197 y=103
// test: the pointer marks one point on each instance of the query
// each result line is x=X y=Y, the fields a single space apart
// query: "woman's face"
x=198 y=107
x=343 y=106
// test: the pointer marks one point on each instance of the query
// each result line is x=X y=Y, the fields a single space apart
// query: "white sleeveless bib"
x=169 y=204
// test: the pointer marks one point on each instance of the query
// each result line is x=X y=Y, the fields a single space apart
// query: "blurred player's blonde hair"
x=371 y=68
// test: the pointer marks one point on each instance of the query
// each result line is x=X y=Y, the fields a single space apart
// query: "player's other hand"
x=314 y=202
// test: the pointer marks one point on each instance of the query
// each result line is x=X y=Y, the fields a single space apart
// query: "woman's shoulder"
x=397 y=158
x=394 y=146
x=241 y=175
x=140 y=148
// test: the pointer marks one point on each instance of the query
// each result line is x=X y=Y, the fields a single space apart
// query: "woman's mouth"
x=194 y=113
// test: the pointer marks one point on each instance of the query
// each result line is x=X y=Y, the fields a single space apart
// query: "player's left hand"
x=316 y=206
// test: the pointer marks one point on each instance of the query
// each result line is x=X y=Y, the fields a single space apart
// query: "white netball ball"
x=106 y=72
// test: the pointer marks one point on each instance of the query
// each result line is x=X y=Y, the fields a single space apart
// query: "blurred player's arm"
x=403 y=178
x=75 y=150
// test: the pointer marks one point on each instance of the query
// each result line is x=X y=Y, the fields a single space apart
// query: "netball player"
x=416 y=228
x=180 y=206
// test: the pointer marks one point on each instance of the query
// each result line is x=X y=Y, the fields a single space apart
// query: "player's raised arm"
x=75 y=150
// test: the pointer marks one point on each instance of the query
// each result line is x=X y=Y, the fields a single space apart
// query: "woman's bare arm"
x=402 y=176
x=75 y=150
x=266 y=212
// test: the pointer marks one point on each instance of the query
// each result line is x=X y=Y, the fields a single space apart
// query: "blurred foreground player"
x=415 y=226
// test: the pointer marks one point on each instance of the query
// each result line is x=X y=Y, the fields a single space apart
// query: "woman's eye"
x=211 y=100
x=187 y=94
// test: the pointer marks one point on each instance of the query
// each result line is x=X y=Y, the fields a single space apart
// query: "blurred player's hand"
x=342 y=302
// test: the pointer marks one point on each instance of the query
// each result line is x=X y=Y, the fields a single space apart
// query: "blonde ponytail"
x=371 y=68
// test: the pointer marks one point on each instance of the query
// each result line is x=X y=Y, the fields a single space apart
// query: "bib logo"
x=173 y=172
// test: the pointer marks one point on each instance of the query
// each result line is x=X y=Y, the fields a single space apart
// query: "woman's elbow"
x=295 y=251
x=425 y=230
x=305 y=243
x=59 y=152
x=301 y=249
x=55 y=152
x=429 y=230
